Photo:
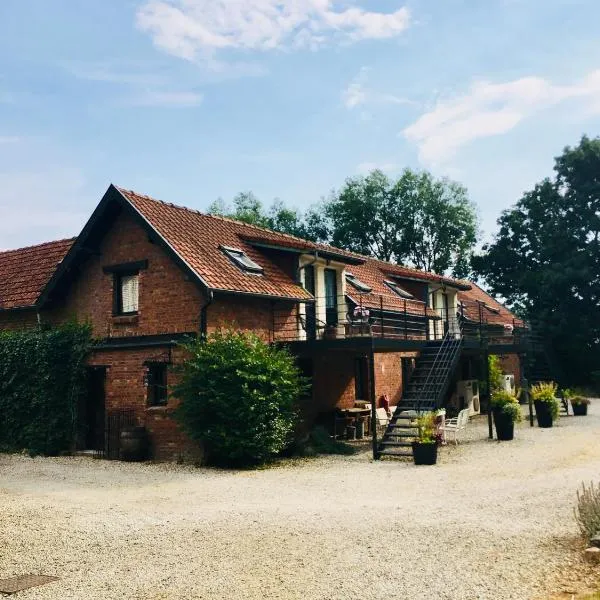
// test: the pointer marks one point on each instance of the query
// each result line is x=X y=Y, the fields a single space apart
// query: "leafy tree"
x=545 y=259
x=239 y=397
x=418 y=220
x=279 y=217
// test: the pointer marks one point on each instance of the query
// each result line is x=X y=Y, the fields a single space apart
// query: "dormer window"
x=242 y=260
x=357 y=283
x=399 y=290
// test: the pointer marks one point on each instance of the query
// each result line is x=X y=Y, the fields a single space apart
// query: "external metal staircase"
x=425 y=392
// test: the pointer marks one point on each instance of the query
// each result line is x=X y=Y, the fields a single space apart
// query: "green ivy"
x=239 y=397
x=42 y=375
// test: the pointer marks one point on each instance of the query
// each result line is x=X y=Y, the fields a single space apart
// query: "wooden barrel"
x=133 y=443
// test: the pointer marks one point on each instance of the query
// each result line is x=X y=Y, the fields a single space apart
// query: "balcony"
x=385 y=317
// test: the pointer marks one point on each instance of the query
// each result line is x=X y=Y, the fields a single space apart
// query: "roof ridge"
x=49 y=243
x=219 y=217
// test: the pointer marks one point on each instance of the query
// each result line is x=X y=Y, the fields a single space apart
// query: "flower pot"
x=579 y=410
x=505 y=427
x=543 y=414
x=424 y=454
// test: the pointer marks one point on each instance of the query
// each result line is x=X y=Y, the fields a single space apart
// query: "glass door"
x=331 y=300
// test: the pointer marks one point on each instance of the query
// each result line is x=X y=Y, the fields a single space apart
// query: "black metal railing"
x=391 y=317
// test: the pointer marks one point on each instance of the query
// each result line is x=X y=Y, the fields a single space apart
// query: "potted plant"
x=580 y=405
x=543 y=395
x=507 y=412
x=425 y=446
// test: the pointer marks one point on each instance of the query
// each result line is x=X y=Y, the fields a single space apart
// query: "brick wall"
x=125 y=389
x=18 y=319
x=168 y=301
x=509 y=363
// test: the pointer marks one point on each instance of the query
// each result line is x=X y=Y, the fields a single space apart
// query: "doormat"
x=23 y=582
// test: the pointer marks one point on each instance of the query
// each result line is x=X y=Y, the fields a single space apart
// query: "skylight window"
x=399 y=290
x=242 y=260
x=357 y=283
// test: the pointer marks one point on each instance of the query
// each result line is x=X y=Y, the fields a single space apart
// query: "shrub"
x=587 y=512
x=546 y=392
x=427 y=430
x=495 y=373
x=577 y=400
x=508 y=404
x=239 y=397
x=42 y=375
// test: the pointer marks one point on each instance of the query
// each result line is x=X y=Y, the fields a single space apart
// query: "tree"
x=239 y=397
x=545 y=259
x=249 y=209
x=425 y=222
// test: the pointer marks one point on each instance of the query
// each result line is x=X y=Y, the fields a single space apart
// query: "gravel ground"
x=491 y=520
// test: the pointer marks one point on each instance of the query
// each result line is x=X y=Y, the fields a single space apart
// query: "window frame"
x=153 y=386
x=358 y=284
x=331 y=309
x=241 y=260
x=399 y=290
x=118 y=293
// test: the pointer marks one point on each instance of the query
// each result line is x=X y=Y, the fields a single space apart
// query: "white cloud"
x=489 y=109
x=9 y=139
x=359 y=94
x=187 y=28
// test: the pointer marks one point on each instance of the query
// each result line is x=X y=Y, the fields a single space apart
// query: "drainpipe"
x=203 y=315
x=39 y=318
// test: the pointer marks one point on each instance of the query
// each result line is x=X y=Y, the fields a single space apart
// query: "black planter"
x=579 y=410
x=505 y=427
x=543 y=414
x=424 y=454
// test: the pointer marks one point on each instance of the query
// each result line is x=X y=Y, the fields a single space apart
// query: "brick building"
x=147 y=274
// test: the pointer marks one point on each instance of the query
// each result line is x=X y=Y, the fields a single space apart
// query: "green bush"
x=546 y=392
x=42 y=375
x=239 y=397
x=508 y=404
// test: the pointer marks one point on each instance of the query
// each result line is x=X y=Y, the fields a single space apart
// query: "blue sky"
x=189 y=100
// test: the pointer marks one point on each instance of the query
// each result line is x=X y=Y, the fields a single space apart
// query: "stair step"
x=392 y=444
x=389 y=452
x=399 y=435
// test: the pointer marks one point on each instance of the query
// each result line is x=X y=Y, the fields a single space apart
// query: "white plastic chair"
x=456 y=425
x=382 y=420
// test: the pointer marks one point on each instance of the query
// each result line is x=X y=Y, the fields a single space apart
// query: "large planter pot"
x=133 y=443
x=505 y=427
x=424 y=454
x=543 y=414
x=579 y=410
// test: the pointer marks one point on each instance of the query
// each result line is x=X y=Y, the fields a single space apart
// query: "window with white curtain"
x=128 y=293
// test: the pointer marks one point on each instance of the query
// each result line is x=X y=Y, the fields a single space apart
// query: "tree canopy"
x=545 y=259
x=415 y=220
x=279 y=217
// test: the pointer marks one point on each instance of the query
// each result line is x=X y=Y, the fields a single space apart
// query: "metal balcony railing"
x=390 y=317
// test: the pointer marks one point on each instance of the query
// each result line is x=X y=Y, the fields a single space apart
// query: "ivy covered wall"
x=42 y=375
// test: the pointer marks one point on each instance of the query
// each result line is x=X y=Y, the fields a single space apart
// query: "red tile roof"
x=492 y=311
x=25 y=272
x=196 y=238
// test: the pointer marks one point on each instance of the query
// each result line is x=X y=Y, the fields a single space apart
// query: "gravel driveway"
x=491 y=520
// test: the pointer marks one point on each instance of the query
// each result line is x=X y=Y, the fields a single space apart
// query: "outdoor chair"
x=456 y=425
x=382 y=420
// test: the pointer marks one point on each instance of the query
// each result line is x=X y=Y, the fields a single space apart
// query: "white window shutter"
x=129 y=293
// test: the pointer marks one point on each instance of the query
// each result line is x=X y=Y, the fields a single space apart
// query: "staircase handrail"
x=445 y=344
